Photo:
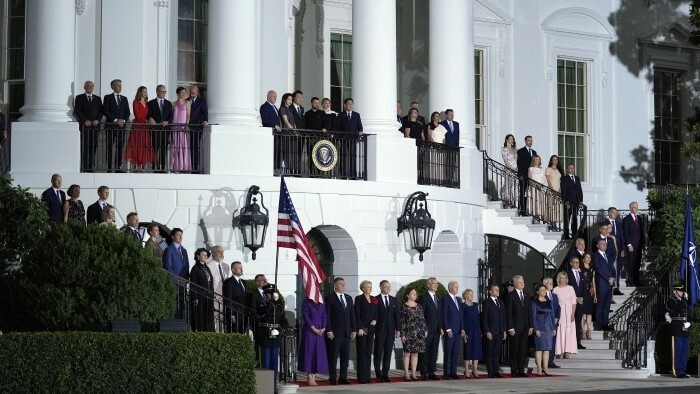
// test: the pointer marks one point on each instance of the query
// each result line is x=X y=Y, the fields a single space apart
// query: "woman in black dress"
x=366 y=316
x=73 y=209
x=413 y=128
x=202 y=295
x=589 y=295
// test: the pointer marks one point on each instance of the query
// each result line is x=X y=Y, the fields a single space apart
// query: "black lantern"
x=417 y=220
x=252 y=221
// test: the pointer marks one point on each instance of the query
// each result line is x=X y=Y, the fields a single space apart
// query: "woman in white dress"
x=509 y=189
x=536 y=198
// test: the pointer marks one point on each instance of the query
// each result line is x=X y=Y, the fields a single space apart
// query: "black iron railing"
x=438 y=164
x=5 y=144
x=319 y=154
x=288 y=355
x=139 y=147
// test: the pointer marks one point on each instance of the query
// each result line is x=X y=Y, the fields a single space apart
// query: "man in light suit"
x=176 y=262
x=340 y=329
x=619 y=234
x=269 y=115
x=433 y=321
x=116 y=110
x=349 y=121
x=160 y=112
x=88 y=112
x=519 y=325
x=452 y=127
x=94 y=211
x=234 y=289
x=493 y=323
x=454 y=330
x=605 y=277
x=54 y=198
x=388 y=328
x=572 y=194
x=634 y=237
x=525 y=155
x=199 y=116
x=220 y=272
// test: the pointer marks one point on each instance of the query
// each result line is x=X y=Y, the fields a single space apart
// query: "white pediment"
x=673 y=34
x=485 y=11
x=578 y=21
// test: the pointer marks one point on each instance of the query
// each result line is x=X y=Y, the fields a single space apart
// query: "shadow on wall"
x=215 y=219
x=642 y=171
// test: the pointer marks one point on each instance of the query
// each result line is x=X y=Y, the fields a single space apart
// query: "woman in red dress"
x=139 y=150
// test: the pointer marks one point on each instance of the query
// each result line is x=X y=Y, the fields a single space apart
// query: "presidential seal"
x=324 y=155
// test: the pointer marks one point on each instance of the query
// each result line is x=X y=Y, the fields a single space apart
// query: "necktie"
x=495 y=301
x=572 y=179
x=386 y=302
x=577 y=278
x=58 y=195
x=349 y=114
x=240 y=283
x=456 y=303
x=221 y=272
x=450 y=123
x=179 y=251
x=136 y=233
x=613 y=227
x=160 y=104
x=522 y=299
x=193 y=100
x=118 y=99
x=529 y=152
x=549 y=295
x=299 y=110
x=89 y=98
x=342 y=301
x=435 y=299
x=605 y=257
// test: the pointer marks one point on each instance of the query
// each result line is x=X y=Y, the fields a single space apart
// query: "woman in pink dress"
x=139 y=150
x=180 y=144
x=566 y=332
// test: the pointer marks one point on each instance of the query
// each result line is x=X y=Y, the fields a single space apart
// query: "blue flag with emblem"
x=689 y=260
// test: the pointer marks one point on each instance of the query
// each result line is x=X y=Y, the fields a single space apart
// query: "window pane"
x=185 y=66
x=16 y=33
x=201 y=8
x=569 y=146
x=200 y=36
x=16 y=99
x=185 y=9
x=15 y=63
x=580 y=169
x=561 y=88
x=571 y=120
x=570 y=72
x=560 y=145
x=185 y=35
x=561 y=121
x=570 y=96
x=17 y=8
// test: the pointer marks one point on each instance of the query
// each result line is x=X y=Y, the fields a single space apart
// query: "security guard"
x=271 y=322
x=678 y=315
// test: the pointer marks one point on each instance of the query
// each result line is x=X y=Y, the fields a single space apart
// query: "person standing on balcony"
x=297 y=99
x=330 y=118
x=180 y=144
x=287 y=146
x=509 y=188
x=525 y=155
x=412 y=127
x=605 y=277
x=679 y=315
x=554 y=173
x=94 y=211
x=199 y=118
x=611 y=245
x=572 y=194
x=420 y=119
x=88 y=112
x=269 y=115
x=537 y=194
x=313 y=118
x=221 y=271
x=116 y=110
x=160 y=112
x=139 y=149
x=452 y=128
x=429 y=133
x=633 y=229
x=618 y=233
x=175 y=262
x=350 y=122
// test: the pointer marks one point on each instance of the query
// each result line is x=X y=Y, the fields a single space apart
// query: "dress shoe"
x=612 y=302
x=446 y=377
x=385 y=379
x=491 y=376
x=498 y=375
x=432 y=376
x=343 y=381
x=515 y=374
x=681 y=376
x=552 y=365
x=617 y=292
x=524 y=375
x=580 y=346
x=332 y=382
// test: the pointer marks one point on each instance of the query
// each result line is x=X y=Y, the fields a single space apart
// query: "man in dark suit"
x=349 y=121
x=452 y=127
x=604 y=234
x=314 y=117
x=420 y=119
x=116 y=110
x=579 y=251
x=199 y=117
x=160 y=112
x=574 y=274
x=634 y=237
x=619 y=234
x=572 y=194
x=94 y=211
x=269 y=114
x=340 y=329
x=605 y=277
x=297 y=99
x=88 y=111
x=176 y=262
x=454 y=330
x=132 y=229
x=433 y=322
x=54 y=198
x=234 y=290
x=519 y=324
x=493 y=323
x=525 y=155
x=388 y=328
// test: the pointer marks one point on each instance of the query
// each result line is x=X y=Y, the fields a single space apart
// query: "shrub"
x=88 y=362
x=421 y=286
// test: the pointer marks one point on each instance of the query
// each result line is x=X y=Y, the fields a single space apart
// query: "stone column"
x=50 y=61
x=232 y=72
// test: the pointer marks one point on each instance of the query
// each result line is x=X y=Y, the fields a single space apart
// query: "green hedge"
x=90 y=362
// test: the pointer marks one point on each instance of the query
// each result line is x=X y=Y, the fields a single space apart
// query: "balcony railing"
x=137 y=147
x=319 y=154
x=438 y=164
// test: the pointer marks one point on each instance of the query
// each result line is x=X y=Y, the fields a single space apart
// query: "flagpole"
x=277 y=252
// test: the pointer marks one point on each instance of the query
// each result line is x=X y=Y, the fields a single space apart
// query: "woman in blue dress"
x=472 y=327
x=545 y=328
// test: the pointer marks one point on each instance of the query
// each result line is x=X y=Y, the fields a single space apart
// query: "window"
x=479 y=99
x=341 y=69
x=192 y=42
x=14 y=73
x=572 y=113
x=667 y=126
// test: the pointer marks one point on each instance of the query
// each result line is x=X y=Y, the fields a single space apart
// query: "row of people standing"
x=413 y=125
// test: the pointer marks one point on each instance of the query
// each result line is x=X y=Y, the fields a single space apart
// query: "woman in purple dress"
x=313 y=358
x=180 y=144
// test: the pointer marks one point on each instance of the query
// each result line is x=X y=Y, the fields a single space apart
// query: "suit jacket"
x=341 y=320
x=299 y=121
x=571 y=190
x=572 y=254
x=53 y=204
x=154 y=111
x=432 y=313
x=199 y=111
x=524 y=159
x=176 y=263
x=352 y=124
x=314 y=119
x=451 y=138
x=94 y=212
x=493 y=317
x=84 y=110
x=578 y=287
x=603 y=269
x=619 y=234
x=154 y=248
x=633 y=231
x=611 y=252
x=136 y=235
x=388 y=319
x=556 y=308
x=218 y=281
x=365 y=312
x=451 y=315
x=269 y=115
x=255 y=299
x=518 y=314
x=113 y=111
x=233 y=291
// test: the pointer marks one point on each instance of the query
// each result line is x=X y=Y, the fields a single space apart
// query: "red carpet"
x=400 y=379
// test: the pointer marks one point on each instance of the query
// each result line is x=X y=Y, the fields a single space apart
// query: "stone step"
x=581 y=363
x=619 y=373
x=507 y=212
x=538 y=228
x=522 y=220
x=553 y=235
x=494 y=204
x=594 y=354
x=596 y=344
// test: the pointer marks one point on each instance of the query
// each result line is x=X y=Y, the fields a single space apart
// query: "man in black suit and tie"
x=94 y=211
x=525 y=155
x=574 y=274
x=199 y=117
x=388 y=328
x=433 y=321
x=604 y=279
x=519 y=324
x=349 y=121
x=133 y=230
x=88 y=111
x=572 y=194
x=340 y=329
x=634 y=237
x=619 y=234
x=160 y=112
x=54 y=198
x=297 y=100
x=234 y=290
x=116 y=110
x=579 y=251
x=493 y=323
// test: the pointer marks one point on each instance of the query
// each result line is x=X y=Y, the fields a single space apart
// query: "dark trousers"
x=602 y=308
x=115 y=146
x=570 y=216
x=681 y=347
x=364 y=357
x=383 y=346
x=89 y=146
x=518 y=351
x=195 y=144
x=578 y=315
x=523 y=194
x=634 y=259
x=339 y=346
x=450 y=348
x=159 y=139
x=618 y=268
x=493 y=354
x=428 y=360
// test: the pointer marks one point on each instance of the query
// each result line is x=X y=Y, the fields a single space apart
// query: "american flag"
x=291 y=235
